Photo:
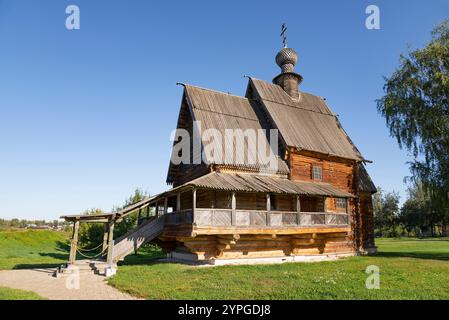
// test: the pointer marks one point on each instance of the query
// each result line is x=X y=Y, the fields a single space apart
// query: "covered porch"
x=220 y=200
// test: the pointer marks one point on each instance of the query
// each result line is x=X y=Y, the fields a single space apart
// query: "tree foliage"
x=416 y=109
x=386 y=212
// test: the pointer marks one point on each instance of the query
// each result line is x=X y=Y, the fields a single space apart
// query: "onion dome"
x=286 y=59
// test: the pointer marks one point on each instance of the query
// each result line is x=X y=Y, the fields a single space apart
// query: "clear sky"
x=86 y=115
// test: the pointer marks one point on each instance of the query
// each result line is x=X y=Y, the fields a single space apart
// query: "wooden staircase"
x=133 y=239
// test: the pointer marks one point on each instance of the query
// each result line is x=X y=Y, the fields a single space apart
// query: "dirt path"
x=41 y=281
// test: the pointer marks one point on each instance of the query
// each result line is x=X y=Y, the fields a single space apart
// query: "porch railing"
x=255 y=218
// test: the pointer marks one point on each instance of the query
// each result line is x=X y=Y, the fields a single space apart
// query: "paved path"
x=41 y=281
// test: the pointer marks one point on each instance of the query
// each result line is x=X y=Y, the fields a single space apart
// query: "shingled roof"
x=222 y=111
x=306 y=124
x=366 y=184
x=245 y=182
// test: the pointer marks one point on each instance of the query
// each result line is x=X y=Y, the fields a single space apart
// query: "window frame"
x=313 y=173
x=339 y=201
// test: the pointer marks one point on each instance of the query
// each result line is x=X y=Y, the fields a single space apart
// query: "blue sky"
x=86 y=115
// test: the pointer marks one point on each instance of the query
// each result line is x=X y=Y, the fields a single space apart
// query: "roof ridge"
x=216 y=91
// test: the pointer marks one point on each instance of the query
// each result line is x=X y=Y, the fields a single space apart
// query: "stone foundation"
x=192 y=259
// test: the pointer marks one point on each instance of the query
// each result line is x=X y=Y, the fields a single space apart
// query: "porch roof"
x=103 y=217
x=265 y=183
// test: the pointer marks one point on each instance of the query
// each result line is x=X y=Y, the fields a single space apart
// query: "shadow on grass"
x=145 y=256
x=61 y=255
x=415 y=255
x=37 y=265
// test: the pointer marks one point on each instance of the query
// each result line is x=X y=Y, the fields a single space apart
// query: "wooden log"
x=233 y=207
x=105 y=237
x=110 y=242
x=74 y=242
x=270 y=231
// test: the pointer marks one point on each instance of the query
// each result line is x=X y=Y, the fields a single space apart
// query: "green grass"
x=15 y=294
x=32 y=249
x=409 y=269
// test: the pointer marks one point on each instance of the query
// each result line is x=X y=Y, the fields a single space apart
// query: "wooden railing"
x=255 y=218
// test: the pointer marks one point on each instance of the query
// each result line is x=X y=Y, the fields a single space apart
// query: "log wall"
x=338 y=173
x=263 y=246
x=367 y=220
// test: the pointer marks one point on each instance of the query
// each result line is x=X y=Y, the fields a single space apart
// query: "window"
x=341 y=203
x=317 y=173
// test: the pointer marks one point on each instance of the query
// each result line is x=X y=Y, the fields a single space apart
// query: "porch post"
x=105 y=237
x=193 y=204
x=348 y=212
x=233 y=206
x=110 y=242
x=74 y=242
x=148 y=210
x=268 y=209
x=178 y=202
x=165 y=205
x=139 y=216
x=298 y=210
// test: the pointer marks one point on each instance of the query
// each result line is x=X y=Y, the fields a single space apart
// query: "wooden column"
x=74 y=242
x=139 y=216
x=165 y=205
x=157 y=210
x=193 y=204
x=110 y=242
x=233 y=207
x=298 y=210
x=105 y=236
x=268 y=209
x=148 y=210
x=348 y=211
x=178 y=202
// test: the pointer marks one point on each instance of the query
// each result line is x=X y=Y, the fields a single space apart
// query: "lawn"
x=15 y=294
x=409 y=269
x=21 y=249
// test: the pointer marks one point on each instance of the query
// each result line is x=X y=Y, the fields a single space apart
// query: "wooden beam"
x=110 y=242
x=268 y=209
x=178 y=202
x=74 y=242
x=298 y=210
x=233 y=206
x=193 y=204
x=267 y=231
x=105 y=236
x=139 y=215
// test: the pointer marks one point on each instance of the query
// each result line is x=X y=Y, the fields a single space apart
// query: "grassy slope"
x=15 y=294
x=410 y=269
x=32 y=248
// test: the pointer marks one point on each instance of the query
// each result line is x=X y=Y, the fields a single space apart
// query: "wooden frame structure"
x=242 y=207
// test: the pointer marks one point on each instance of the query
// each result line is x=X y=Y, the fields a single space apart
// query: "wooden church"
x=314 y=203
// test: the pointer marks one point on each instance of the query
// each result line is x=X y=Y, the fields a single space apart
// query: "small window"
x=317 y=173
x=341 y=203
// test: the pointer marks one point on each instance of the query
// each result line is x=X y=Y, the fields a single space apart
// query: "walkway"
x=41 y=281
